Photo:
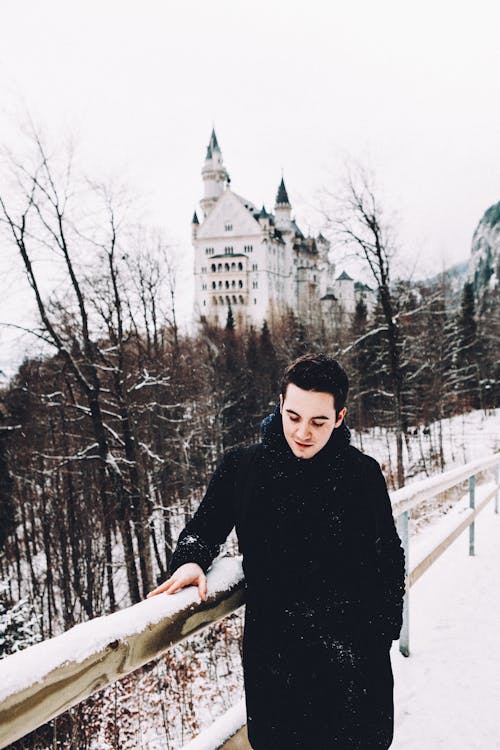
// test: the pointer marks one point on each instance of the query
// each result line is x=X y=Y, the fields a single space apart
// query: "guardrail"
x=42 y=681
x=407 y=498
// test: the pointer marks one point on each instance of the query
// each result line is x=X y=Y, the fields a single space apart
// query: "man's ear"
x=341 y=416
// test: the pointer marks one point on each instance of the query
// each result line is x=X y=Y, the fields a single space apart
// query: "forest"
x=107 y=441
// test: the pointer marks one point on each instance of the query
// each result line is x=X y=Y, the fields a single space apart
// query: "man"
x=323 y=565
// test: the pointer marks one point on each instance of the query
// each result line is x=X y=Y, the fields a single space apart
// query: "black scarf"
x=278 y=454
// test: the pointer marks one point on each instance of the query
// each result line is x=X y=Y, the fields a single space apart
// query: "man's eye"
x=294 y=419
x=318 y=424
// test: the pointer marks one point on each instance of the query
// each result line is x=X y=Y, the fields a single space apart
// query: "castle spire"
x=282 y=195
x=214 y=174
x=282 y=208
x=213 y=141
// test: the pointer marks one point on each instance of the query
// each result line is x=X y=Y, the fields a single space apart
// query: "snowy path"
x=447 y=693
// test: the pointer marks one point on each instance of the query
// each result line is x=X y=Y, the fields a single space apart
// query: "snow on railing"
x=409 y=497
x=44 y=680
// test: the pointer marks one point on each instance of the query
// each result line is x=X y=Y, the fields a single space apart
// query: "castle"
x=260 y=264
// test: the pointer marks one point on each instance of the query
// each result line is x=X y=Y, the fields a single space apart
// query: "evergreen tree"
x=467 y=351
x=230 y=319
x=269 y=367
x=19 y=626
x=359 y=368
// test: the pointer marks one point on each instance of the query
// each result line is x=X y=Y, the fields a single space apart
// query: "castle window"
x=240 y=266
x=240 y=284
x=227 y=284
x=254 y=266
x=209 y=251
x=233 y=284
x=241 y=299
x=226 y=266
x=228 y=301
x=229 y=250
x=221 y=300
x=213 y=267
x=219 y=267
x=255 y=284
x=254 y=301
x=235 y=302
x=204 y=302
x=228 y=227
x=220 y=284
x=214 y=285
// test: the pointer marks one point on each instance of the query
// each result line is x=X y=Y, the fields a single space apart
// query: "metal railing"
x=42 y=681
x=408 y=498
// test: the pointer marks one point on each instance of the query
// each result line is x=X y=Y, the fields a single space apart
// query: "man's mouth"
x=303 y=445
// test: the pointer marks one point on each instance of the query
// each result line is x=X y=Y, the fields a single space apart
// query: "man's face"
x=308 y=420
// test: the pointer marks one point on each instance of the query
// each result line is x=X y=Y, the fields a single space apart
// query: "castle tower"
x=214 y=174
x=282 y=208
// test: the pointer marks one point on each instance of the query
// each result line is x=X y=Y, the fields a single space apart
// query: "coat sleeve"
x=390 y=559
x=208 y=529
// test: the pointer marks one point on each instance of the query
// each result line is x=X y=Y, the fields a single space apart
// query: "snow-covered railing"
x=44 y=680
x=409 y=497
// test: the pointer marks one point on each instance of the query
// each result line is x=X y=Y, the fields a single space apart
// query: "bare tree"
x=359 y=224
x=40 y=218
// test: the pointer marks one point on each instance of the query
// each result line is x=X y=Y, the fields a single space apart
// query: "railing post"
x=404 y=638
x=472 y=504
x=496 y=482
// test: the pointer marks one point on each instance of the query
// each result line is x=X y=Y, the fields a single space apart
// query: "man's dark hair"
x=318 y=372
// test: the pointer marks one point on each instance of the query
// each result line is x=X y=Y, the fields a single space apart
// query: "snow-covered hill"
x=484 y=265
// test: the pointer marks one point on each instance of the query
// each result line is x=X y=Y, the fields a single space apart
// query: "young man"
x=324 y=570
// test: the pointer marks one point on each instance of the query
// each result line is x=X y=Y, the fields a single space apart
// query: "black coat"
x=324 y=579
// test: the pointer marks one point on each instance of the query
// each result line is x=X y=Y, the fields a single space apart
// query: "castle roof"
x=297 y=231
x=344 y=277
x=247 y=204
x=282 y=196
x=195 y=219
x=213 y=141
x=362 y=287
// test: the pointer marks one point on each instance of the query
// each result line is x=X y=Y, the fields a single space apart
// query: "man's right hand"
x=186 y=575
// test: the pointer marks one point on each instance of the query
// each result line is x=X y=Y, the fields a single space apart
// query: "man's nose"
x=303 y=432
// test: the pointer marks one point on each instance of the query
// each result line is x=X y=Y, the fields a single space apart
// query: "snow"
x=447 y=692
x=22 y=669
x=221 y=730
x=466 y=437
x=423 y=543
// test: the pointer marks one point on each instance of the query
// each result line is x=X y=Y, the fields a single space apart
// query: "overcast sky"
x=409 y=88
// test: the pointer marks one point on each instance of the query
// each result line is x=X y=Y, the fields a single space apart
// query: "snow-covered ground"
x=447 y=693
x=465 y=437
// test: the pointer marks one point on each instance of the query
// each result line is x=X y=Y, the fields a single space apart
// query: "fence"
x=44 y=680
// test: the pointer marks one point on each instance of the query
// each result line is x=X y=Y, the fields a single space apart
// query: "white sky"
x=412 y=89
